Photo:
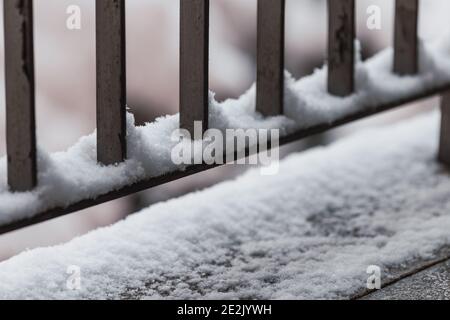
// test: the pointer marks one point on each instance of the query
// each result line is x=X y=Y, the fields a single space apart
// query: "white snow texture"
x=376 y=198
x=74 y=175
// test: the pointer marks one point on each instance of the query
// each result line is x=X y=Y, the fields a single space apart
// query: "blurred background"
x=65 y=71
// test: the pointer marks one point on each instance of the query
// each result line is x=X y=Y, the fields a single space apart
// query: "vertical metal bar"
x=444 y=145
x=111 y=81
x=270 y=57
x=341 y=47
x=20 y=94
x=406 y=52
x=194 y=64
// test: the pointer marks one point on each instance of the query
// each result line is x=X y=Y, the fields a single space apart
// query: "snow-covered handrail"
x=299 y=109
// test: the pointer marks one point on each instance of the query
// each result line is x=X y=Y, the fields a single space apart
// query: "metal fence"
x=194 y=43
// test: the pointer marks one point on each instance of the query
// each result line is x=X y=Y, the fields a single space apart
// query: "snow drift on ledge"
x=74 y=175
x=376 y=198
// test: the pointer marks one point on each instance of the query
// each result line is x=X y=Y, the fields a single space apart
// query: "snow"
x=376 y=198
x=74 y=175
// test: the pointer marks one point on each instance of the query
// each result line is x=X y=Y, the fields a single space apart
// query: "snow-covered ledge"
x=291 y=235
x=66 y=178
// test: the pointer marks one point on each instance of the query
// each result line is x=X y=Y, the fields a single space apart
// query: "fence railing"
x=194 y=56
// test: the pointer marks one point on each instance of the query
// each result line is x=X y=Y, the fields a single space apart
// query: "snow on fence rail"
x=298 y=109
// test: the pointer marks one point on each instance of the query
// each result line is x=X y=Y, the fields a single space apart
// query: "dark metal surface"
x=341 y=47
x=428 y=282
x=405 y=37
x=400 y=273
x=20 y=94
x=444 y=144
x=194 y=64
x=153 y=182
x=111 y=81
x=270 y=57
